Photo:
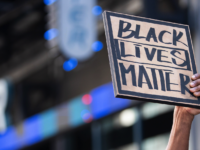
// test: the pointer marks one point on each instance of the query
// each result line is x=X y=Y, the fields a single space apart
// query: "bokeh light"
x=97 y=10
x=87 y=99
x=86 y=116
x=97 y=46
x=50 y=34
x=49 y=2
x=127 y=117
x=70 y=64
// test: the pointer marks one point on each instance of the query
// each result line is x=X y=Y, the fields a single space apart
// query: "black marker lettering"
x=184 y=82
x=152 y=34
x=150 y=55
x=162 y=80
x=160 y=37
x=123 y=50
x=153 y=71
x=167 y=74
x=142 y=72
x=127 y=29
x=185 y=62
x=176 y=37
x=124 y=71
x=137 y=51
x=159 y=56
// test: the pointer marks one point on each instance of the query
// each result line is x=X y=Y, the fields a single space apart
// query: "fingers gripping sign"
x=195 y=89
x=195 y=85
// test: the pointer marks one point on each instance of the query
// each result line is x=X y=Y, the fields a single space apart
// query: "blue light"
x=70 y=64
x=9 y=139
x=50 y=34
x=32 y=130
x=75 y=108
x=84 y=112
x=86 y=116
x=48 y=123
x=49 y=2
x=104 y=102
x=96 y=10
x=97 y=46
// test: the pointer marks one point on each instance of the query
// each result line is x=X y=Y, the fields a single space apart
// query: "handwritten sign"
x=150 y=60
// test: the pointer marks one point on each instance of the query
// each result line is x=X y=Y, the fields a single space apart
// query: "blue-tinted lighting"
x=50 y=34
x=32 y=130
x=48 y=123
x=86 y=116
x=49 y=2
x=70 y=64
x=104 y=102
x=97 y=46
x=84 y=112
x=75 y=108
x=9 y=139
x=96 y=10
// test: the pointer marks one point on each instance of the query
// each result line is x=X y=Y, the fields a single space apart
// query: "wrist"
x=183 y=116
x=179 y=137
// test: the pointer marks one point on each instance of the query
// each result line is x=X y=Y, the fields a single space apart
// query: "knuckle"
x=196 y=94
x=197 y=82
x=198 y=88
x=197 y=75
x=193 y=89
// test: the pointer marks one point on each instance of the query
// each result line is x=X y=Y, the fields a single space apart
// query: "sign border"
x=115 y=71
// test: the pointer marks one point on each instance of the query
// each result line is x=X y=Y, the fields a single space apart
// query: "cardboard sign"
x=150 y=60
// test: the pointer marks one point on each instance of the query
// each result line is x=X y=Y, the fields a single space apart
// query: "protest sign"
x=150 y=60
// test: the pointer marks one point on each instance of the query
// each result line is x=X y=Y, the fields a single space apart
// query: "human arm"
x=182 y=121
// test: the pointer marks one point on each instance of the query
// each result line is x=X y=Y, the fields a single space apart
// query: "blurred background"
x=55 y=87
